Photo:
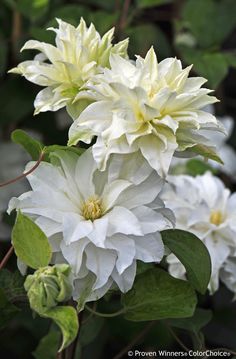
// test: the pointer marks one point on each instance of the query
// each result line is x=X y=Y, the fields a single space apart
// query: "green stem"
x=106 y=315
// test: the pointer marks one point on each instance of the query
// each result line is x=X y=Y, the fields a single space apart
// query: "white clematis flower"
x=202 y=205
x=225 y=151
x=148 y=107
x=101 y=223
x=64 y=69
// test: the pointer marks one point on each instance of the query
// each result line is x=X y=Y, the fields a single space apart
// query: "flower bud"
x=48 y=286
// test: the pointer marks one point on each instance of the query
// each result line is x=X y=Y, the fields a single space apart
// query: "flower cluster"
x=100 y=223
x=102 y=211
x=203 y=206
x=148 y=107
x=79 y=54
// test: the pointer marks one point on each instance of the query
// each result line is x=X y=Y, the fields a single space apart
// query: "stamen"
x=92 y=209
x=216 y=217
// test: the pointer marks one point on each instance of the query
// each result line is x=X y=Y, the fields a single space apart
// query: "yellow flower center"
x=92 y=209
x=140 y=116
x=216 y=217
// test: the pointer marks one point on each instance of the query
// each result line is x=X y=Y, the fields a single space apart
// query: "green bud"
x=48 y=286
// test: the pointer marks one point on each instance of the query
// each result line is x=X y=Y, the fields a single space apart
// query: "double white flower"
x=64 y=69
x=202 y=205
x=101 y=223
x=148 y=107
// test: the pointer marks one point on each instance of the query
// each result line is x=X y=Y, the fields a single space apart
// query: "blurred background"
x=199 y=32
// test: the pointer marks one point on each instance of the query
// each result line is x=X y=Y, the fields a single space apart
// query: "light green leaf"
x=206 y=152
x=67 y=320
x=30 y=243
x=151 y=3
x=53 y=148
x=32 y=146
x=192 y=253
x=194 y=324
x=156 y=295
x=195 y=167
x=48 y=346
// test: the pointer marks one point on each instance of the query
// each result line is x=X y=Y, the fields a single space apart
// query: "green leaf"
x=195 y=167
x=21 y=100
x=7 y=310
x=211 y=65
x=71 y=14
x=53 y=148
x=67 y=320
x=156 y=295
x=48 y=346
x=194 y=324
x=206 y=152
x=12 y=283
x=192 y=253
x=32 y=146
x=231 y=59
x=215 y=20
x=143 y=267
x=30 y=243
x=142 y=37
x=32 y=9
x=90 y=329
x=151 y=3
x=41 y=34
x=103 y=21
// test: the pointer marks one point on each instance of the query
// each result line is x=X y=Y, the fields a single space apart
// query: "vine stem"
x=124 y=15
x=105 y=315
x=23 y=175
x=177 y=338
x=6 y=258
x=135 y=340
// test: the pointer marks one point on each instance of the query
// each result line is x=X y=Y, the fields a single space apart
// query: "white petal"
x=84 y=171
x=75 y=227
x=122 y=220
x=112 y=192
x=150 y=220
x=149 y=248
x=101 y=262
x=126 y=280
x=125 y=247
x=99 y=232
x=74 y=252
x=142 y=194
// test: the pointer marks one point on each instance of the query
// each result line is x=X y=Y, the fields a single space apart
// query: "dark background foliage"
x=201 y=32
